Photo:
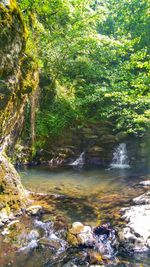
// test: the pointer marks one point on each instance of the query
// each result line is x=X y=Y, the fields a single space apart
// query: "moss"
x=19 y=76
x=15 y=64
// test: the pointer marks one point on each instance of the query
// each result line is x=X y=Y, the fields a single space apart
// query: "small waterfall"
x=79 y=161
x=120 y=157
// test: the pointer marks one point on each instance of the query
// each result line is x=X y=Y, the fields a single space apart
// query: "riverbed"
x=92 y=196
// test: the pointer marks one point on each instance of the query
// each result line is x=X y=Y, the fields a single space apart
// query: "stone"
x=5 y=231
x=77 y=227
x=60 y=223
x=85 y=237
x=13 y=223
x=33 y=235
x=72 y=239
x=34 y=210
x=95 y=257
x=53 y=243
x=4 y=215
x=143 y=199
x=95 y=150
x=145 y=183
x=12 y=193
x=84 y=234
x=135 y=234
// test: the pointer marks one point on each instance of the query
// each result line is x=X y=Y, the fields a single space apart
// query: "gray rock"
x=145 y=183
x=143 y=199
x=85 y=237
x=137 y=231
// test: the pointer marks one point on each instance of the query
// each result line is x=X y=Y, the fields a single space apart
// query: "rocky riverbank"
x=135 y=236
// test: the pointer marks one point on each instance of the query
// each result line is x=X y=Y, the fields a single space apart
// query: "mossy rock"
x=12 y=194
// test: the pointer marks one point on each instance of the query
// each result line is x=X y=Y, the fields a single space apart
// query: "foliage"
x=52 y=121
x=99 y=51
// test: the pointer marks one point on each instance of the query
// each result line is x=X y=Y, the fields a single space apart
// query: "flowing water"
x=120 y=157
x=91 y=196
x=79 y=162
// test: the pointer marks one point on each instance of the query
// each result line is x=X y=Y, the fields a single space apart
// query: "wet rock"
x=5 y=231
x=102 y=239
x=70 y=264
x=145 y=183
x=53 y=243
x=95 y=257
x=85 y=237
x=13 y=223
x=12 y=193
x=4 y=215
x=134 y=236
x=31 y=245
x=47 y=218
x=34 y=210
x=143 y=199
x=72 y=239
x=33 y=235
x=77 y=227
x=95 y=151
x=60 y=223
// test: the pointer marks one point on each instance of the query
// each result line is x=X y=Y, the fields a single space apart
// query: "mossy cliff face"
x=18 y=72
x=12 y=193
x=18 y=78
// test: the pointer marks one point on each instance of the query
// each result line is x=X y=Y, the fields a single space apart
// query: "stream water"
x=91 y=196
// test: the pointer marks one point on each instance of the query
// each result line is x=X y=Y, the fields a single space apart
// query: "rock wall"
x=18 y=78
x=18 y=72
x=97 y=141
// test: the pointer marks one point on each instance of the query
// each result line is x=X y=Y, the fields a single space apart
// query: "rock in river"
x=101 y=239
x=143 y=199
x=34 y=210
x=135 y=236
x=145 y=183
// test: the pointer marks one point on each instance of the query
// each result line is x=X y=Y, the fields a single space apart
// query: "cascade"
x=79 y=161
x=120 y=157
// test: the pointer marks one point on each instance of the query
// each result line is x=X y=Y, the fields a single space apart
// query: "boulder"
x=12 y=194
x=145 y=183
x=34 y=210
x=135 y=235
x=85 y=237
x=76 y=228
x=143 y=199
x=101 y=238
